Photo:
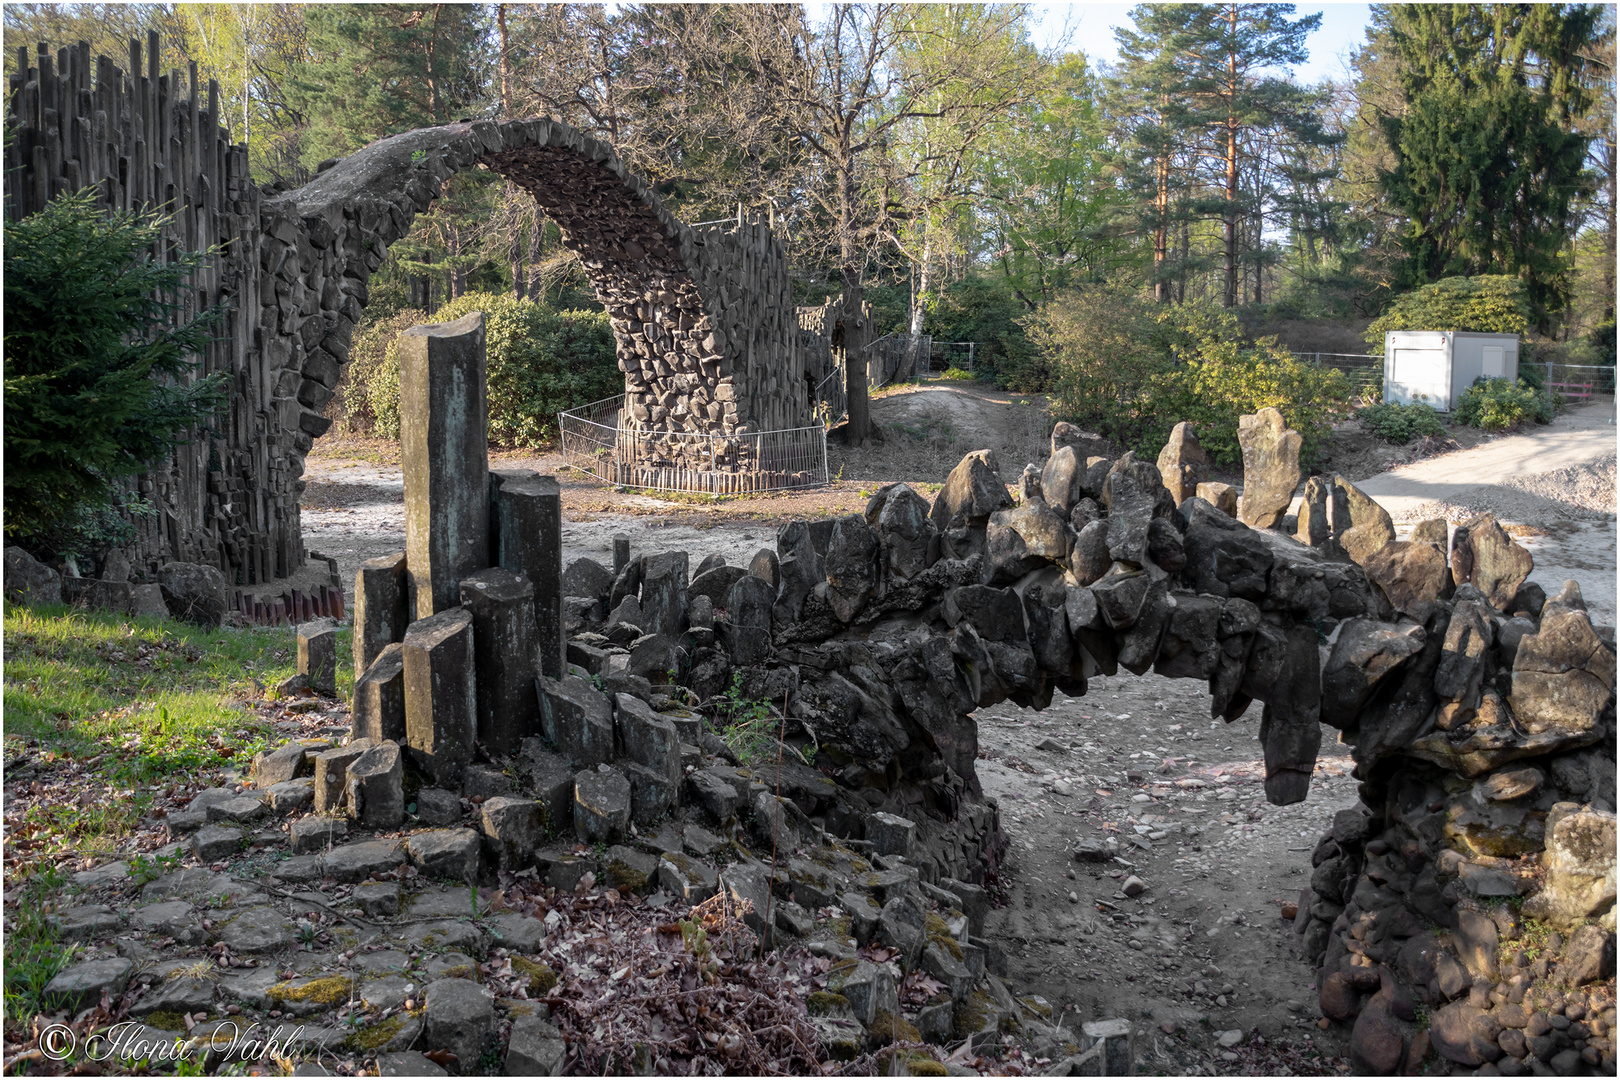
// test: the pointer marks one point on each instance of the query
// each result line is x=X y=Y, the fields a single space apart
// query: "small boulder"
x=1270 y=467
x=1183 y=463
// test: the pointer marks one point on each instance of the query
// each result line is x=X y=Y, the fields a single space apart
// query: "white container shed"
x=1438 y=366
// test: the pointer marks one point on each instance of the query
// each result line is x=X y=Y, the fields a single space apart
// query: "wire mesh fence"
x=896 y=358
x=953 y=354
x=599 y=442
x=1578 y=382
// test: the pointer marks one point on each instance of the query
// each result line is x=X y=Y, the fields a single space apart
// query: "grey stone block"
x=525 y=524
x=512 y=830
x=380 y=608
x=379 y=697
x=379 y=898
x=211 y=843
x=577 y=720
x=547 y=775
x=443 y=422
x=536 y=1048
x=436 y=806
x=331 y=774
x=448 y=853
x=601 y=805
x=501 y=603
x=890 y=834
x=317 y=655
x=458 y=1017
x=648 y=739
x=376 y=786
x=82 y=985
x=279 y=765
x=663 y=593
x=440 y=694
x=290 y=795
x=316 y=832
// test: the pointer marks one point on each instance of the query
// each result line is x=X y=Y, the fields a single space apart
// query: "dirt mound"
x=921 y=432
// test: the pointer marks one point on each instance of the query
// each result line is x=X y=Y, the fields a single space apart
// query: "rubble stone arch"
x=703 y=320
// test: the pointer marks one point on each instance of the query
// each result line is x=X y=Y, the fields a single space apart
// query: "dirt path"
x=1553 y=485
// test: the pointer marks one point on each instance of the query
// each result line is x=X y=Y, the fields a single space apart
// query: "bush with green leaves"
x=1498 y=404
x=539 y=362
x=1397 y=423
x=1487 y=304
x=98 y=364
x=1131 y=369
x=370 y=349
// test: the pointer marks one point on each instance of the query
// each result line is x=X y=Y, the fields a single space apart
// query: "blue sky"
x=1091 y=31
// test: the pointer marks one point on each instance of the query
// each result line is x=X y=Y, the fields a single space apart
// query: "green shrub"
x=956 y=374
x=369 y=351
x=1487 y=304
x=1497 y=404
x=1397 y=423
x=1131 y=369
x=98 y=359
x=539 y=362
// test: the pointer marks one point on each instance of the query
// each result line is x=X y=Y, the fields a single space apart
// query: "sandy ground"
x=1553 y=486
x=1203 y=950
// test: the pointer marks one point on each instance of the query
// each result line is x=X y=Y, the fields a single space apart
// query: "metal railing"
x=951 y=354
x=1578 y=382
x=832 y=399
x=600 y=441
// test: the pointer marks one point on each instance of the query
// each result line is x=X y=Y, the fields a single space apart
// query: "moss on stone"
x=167 y=1019
x=541 y=977
x=826 y=1003
x=888 y=1028
x=972 y=1012
x=462 y=971
x=941 y=936
x=332 y=990
x=624 y=876
x=376 y=1036
x=921 y=1064
x=841 y=927
x=1036 y=1007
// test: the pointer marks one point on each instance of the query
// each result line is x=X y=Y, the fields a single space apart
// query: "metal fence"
x=896 y=358
x=1578 y=382
x=597 y=440
x=953 y=354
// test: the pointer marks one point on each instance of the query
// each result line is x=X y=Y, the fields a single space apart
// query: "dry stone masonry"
x=704 y=321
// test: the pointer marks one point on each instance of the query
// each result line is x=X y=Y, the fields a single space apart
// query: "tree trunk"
x=1161 y=232
x=919 y=301
x=1230 y=297
x=506 y=69
x=1609 y=229
x=537 y=250
x=854 y=318
x=514 y=252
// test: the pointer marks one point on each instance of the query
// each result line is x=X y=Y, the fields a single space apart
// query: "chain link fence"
x=599 y=443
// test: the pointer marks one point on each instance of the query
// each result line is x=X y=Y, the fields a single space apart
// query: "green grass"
x=33 y=955
x=128 y=704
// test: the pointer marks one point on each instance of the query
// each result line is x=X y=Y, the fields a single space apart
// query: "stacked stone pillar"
x=451 y=635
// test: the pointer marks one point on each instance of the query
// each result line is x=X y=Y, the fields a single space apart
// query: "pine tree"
x=1489 y=159
x=382 y=69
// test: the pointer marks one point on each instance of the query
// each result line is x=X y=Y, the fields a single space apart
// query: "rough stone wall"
x=703 y=319
x=144 y=139
x=1481 y=711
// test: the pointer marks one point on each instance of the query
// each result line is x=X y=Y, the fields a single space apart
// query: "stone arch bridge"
x=703 y=319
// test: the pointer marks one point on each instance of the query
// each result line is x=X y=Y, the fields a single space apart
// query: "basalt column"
x=444 y=446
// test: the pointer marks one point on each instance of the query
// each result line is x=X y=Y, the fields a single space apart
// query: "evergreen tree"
x=1489 y=160
x=382 y=69
x=96 y=358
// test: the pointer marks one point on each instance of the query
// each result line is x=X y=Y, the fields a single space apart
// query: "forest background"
x=1188 y=212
